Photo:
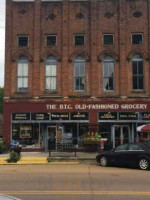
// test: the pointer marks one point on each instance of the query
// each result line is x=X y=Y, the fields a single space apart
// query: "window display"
x=28 y=135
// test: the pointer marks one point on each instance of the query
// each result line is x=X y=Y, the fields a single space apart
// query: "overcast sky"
x=2 y=40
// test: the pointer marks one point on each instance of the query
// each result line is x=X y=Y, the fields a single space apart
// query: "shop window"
x=51 y=40
x=51 y=74
x=108 y=73
x=79 y=40
x=22 y=41
x=108 y=39
x=79 y=74
x=137 y=38
x=28 y=135
x=137 y=72
x=22 y=74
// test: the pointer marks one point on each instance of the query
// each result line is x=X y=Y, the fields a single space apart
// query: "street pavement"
x=72 y=182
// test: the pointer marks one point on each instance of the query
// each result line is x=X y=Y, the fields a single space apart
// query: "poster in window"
x=25 y=131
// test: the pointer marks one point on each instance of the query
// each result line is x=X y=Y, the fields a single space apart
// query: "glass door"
x=120 y=135
x=51 y=137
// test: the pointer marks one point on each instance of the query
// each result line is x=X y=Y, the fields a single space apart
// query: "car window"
x=134 y=147
x=122 y=147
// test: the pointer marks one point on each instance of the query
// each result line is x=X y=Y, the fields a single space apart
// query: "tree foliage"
x=1 y=99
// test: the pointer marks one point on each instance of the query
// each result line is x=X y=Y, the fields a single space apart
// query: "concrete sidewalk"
x=56 y=158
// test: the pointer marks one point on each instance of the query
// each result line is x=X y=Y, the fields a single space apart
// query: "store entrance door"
x=51 y=137
x=120 y=135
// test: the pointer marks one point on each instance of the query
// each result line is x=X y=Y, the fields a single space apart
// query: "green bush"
x=3 y=146
x=14 y=157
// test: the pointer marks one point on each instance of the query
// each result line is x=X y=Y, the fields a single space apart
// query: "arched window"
x=51 y=74
x=108 y=73
x=22 y=74
x=137 y=72
x=79 y=74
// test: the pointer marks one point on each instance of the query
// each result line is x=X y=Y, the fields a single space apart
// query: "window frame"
x=50 y=90
x=82 y=61
x=104 y=90
x=27 y=36
x=80 y=34
x=46 y=40
x=105 y=34
x=136 y=34
x=23 y=77
x=137 y=75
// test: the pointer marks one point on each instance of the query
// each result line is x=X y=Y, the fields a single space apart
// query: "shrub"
x=3 y=146
x=14 y=157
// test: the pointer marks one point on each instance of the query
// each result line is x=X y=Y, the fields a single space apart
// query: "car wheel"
x=143 y=164
x=103 y=161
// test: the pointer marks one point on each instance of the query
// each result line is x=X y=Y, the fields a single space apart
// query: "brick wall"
x=114 y=16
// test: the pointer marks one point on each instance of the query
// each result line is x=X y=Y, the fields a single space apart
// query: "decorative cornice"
x=50 y=52
x=137 y=52
x=79 y=53
x=108 y=53
x=22 y=52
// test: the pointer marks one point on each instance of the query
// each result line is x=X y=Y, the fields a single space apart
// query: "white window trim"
x=136 y=34
x=22 y=36
x=108 y=34
x=80 y=34
x=50 y=35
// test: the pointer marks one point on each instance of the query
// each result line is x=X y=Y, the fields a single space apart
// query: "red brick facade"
x=118 y=17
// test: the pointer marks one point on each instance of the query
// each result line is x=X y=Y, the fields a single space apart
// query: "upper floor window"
x=137 y=38
x=51 y=74
x=22 y=41
x=79 y=74
x=137 y=72
x=51 y=40
x=79 y=39
x=22 y=74
x=108 y=39
x=108 y=73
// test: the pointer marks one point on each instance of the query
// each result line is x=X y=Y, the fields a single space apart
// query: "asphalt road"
x=74 y=182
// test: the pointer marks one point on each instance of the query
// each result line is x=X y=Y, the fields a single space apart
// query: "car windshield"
x=121 y=147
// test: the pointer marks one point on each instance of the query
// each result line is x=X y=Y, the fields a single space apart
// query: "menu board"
x=59 y=116
x=80 y=116
x=21 y=116
x=39 y=116
x=145 y=116
x=128 y=116
x=25 y=131
x=108 y=116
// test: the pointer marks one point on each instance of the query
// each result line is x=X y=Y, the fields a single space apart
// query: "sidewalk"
x=56 y=158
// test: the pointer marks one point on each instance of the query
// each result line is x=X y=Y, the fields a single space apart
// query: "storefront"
x=82 y=124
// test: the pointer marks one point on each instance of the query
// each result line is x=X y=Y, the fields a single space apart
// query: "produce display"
x=93 y=136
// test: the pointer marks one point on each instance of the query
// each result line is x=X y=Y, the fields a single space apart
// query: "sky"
x=2 y=40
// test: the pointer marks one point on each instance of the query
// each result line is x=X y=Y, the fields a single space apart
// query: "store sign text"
x=96 y=107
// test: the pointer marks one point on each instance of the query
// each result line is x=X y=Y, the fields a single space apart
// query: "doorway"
x=121 y=135
x=51 y=137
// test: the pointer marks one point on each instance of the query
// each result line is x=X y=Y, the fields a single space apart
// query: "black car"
x=134 y=154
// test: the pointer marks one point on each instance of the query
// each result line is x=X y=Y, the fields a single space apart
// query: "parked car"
x=133 y=154
x=5 y=197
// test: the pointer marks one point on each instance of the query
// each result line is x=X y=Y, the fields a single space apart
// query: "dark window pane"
x=140 y=67
x=136 y=38
x=111 y=84
x=22 y=41
x=79 y=40
x=141 y=86
x=111 y=69
x=122 y=147
x=51 y=40
x=77 y=83
x=134 y=67
x=135 y=86
x=108 y=39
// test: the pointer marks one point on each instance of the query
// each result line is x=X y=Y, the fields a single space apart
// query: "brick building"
x=76 y=69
